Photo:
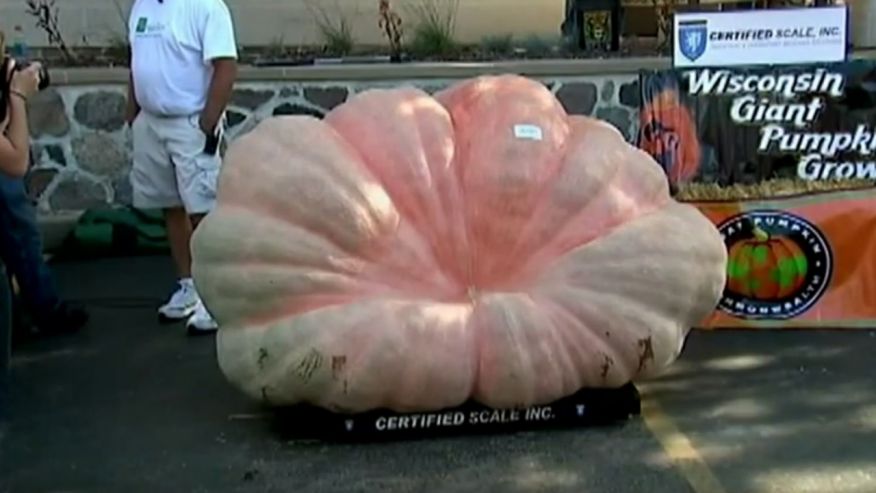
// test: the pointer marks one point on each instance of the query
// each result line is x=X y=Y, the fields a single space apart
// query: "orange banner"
x=798 y=262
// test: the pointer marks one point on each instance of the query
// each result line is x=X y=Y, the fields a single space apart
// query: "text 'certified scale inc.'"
x=756 y=37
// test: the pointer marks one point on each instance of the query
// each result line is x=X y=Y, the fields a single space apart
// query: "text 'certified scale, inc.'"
x=755 y=37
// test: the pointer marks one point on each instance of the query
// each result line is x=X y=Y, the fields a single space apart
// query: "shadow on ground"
x=777 y=411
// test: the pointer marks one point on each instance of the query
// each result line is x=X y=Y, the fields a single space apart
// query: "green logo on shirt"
x=141 y=25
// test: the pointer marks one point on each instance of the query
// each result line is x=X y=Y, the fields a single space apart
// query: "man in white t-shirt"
x=183 y=67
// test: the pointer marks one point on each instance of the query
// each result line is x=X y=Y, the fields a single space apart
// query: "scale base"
x=589 y=407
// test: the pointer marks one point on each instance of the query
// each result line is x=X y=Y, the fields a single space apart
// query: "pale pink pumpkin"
x=411 y=253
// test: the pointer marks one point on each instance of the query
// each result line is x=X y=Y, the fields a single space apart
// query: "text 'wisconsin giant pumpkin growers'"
x=411 y=252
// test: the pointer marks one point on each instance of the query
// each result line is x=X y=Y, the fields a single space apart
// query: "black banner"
x=746 y=125
x=587 y=407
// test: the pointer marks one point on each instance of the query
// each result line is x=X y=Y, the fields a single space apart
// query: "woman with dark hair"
x=21 y=250
x=17 y=86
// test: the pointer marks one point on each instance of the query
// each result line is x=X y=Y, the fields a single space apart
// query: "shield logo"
x=692 y=38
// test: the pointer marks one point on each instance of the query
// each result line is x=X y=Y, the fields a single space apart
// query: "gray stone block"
x=326 y=97
x=289 y=92
x=47 y=114
x=250 y=98
x=619 y=117
x=630 y=94
x=235 y=118
x=579 y=98
x=76 y=193
x=296 y=109
x=100 y=110
x=100 y=154
x=39 y=180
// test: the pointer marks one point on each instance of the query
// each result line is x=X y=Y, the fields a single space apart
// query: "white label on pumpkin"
x=529 y=132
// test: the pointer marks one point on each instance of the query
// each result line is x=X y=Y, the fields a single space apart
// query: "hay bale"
x=770 y=189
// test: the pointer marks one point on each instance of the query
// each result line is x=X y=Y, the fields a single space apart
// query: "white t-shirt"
x=172 y=45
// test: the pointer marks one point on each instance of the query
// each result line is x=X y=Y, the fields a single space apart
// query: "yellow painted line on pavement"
x=679 y=449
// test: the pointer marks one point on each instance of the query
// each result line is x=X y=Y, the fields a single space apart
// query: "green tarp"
x=116 y=232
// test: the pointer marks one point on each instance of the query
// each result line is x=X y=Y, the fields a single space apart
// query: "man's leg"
x=154 y=185
x=196 y=174
x=179 y=233
x=22 y=250
x=185 y=301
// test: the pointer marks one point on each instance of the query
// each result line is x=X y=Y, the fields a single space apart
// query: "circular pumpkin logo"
x=779 y=265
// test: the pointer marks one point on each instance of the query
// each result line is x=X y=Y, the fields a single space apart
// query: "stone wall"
x=82 y=147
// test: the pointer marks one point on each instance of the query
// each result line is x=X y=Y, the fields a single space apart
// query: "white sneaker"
x=201 y=322
x=182 y=303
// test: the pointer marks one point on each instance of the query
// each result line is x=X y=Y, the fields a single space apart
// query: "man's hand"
x=224 y=75
x=207 y=126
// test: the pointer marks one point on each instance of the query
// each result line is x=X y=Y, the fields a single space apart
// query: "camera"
x=19 y=66
x=43 y=74
x=5 y=81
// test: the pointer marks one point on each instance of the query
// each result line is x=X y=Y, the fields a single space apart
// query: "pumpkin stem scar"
x=338 y=364
x=309 y=364
x=263 y=355
x=760 y=234
x=647 y=347
x=607 y=361
x=679 y=448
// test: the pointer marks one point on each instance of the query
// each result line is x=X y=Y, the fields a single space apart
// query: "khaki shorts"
x=170 y=167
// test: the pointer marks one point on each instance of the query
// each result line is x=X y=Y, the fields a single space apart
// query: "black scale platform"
x=589 y=407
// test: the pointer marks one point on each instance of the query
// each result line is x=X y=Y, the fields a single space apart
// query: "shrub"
x=334 y=28
x=391 y=24
x=433 y=32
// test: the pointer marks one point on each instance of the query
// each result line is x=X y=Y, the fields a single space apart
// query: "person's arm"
x=221 y=86
x=15 y=141
x=14 y=144
x=220 y=49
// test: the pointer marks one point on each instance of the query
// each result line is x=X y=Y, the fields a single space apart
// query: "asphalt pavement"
x=130 y=405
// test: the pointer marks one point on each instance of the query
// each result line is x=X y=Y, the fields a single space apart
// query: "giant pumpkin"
x=411 y=252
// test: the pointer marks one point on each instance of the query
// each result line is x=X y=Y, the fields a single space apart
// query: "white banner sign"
x=756 y=37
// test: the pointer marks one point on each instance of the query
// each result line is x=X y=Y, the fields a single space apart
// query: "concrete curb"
x=55 y=227
x=418 y=70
